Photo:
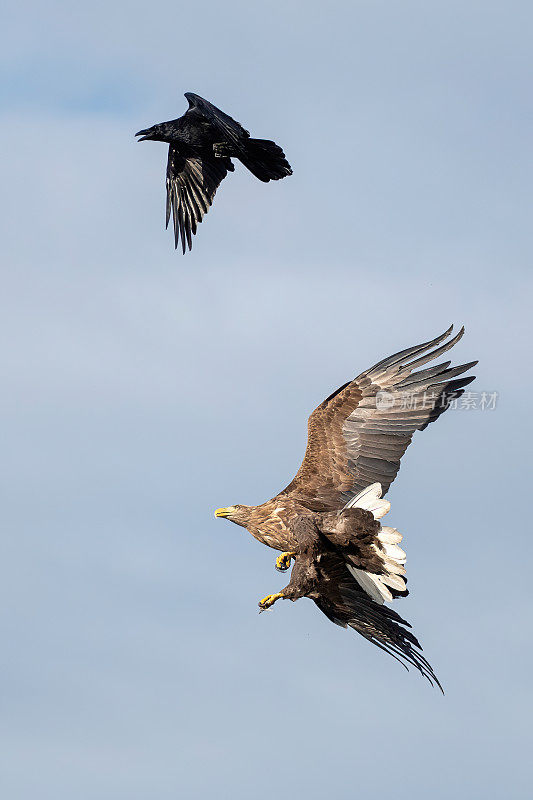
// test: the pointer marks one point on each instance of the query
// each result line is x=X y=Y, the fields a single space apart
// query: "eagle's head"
x=240 y=515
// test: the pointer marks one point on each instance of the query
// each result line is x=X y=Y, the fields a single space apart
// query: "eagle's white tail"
x=393 y=556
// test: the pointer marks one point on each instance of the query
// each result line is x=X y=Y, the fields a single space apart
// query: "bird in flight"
x=328 y=517
x=201 y=145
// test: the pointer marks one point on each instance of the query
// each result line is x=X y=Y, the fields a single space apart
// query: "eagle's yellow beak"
x=224 y=512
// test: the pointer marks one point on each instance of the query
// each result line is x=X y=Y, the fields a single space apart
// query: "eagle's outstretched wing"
x=358 y=435
x=343 y=601
x=231 y=130
x=191 y=186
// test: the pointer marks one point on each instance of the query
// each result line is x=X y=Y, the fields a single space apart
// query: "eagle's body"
x=201 y=145
x=270 y=523
x=327 y=518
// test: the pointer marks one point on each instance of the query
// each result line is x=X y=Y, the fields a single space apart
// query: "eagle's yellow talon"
x=283 y=562
x=269 y=600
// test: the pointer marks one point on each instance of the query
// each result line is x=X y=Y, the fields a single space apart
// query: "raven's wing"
x=338 y=595
x=231 y=130
x=191 y=187
x=358 y=435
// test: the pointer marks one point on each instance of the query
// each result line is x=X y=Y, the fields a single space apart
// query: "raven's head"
x=157 y=133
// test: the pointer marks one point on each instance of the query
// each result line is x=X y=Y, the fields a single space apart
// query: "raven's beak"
x=144 y=134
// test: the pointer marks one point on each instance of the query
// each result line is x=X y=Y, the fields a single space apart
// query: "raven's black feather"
x=202 y=143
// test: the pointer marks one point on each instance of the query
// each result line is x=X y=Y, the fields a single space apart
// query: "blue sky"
x=142 y=390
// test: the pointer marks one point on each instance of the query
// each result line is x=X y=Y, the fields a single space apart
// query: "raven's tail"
x=265 y=159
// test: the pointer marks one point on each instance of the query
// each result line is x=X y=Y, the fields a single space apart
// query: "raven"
x=201 y=145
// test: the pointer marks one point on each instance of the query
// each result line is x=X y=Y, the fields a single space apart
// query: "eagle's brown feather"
x=321 y=573
x=344 y=560
x=359 y=434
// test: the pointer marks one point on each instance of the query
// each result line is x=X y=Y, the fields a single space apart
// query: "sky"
x=143 y=389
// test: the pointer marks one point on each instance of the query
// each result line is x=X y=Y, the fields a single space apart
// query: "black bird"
x=202 y=143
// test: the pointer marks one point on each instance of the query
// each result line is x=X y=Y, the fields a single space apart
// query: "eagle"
x=201 y=145
x=328 y=519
